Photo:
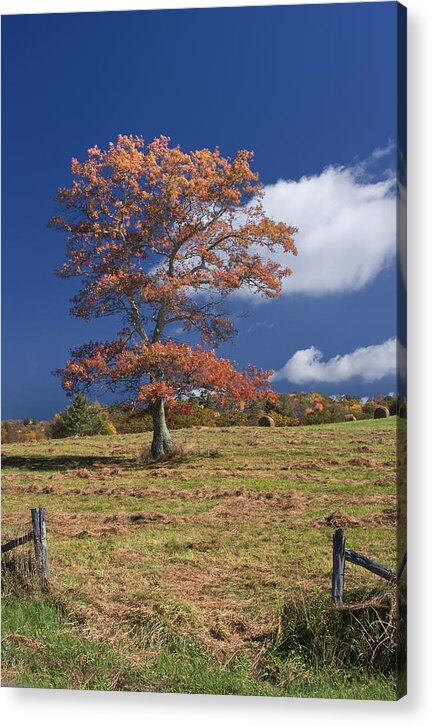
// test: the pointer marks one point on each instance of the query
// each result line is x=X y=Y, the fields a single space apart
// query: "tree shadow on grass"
x=96 y=462
x=53 y=463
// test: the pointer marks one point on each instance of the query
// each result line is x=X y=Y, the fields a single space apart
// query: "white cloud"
x=369 y=364
x=347 y=226
x=382 y=151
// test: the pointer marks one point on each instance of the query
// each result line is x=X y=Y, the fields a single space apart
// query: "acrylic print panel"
x=209 y=496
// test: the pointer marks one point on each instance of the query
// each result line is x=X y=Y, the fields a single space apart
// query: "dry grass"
x=181 y=452
x=211 y=541
x=365 y=633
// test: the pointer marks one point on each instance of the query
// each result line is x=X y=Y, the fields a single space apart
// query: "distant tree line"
x=86 y=418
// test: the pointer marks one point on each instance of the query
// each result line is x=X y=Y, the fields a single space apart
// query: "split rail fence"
x=39 y=536
x=342 y=554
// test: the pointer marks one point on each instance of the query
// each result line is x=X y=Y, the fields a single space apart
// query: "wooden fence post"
x=338 y=566
x=40 y=543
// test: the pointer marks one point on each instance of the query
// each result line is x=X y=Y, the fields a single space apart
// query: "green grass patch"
x=188 y=593
x=42 y=648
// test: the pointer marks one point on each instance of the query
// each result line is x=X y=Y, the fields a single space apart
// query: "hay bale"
x=350 y=417
x=266 y=421
x=381 y=412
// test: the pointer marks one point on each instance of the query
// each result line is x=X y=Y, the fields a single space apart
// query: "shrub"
x=82 y=418
x=17 y=431
x=281 y=420
x=30 y=436
x=128 y=420
x=236 y=419
x=179 y=417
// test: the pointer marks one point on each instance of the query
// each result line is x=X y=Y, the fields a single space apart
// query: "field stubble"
x=194 y=558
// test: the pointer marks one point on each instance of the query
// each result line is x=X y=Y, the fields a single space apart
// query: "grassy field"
x=182 y=576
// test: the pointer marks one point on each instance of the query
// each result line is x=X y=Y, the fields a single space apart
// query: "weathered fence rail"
x=16 y=542
x=39 y=536
x=377 y=569
x=341 y=555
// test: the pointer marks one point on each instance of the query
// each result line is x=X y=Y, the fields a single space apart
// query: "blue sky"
x=311 y=89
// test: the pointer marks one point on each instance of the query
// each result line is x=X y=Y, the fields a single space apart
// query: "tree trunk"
x=162 y=442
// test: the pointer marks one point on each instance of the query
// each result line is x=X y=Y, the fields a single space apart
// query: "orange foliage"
x=169 y=369
x=161 y=237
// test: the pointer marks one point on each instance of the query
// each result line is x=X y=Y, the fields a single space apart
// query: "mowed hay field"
x=174 y=576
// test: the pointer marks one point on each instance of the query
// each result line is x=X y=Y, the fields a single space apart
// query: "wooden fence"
x=342 y=554
x=38 y=534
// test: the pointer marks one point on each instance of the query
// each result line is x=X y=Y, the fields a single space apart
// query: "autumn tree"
x=159 y=238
